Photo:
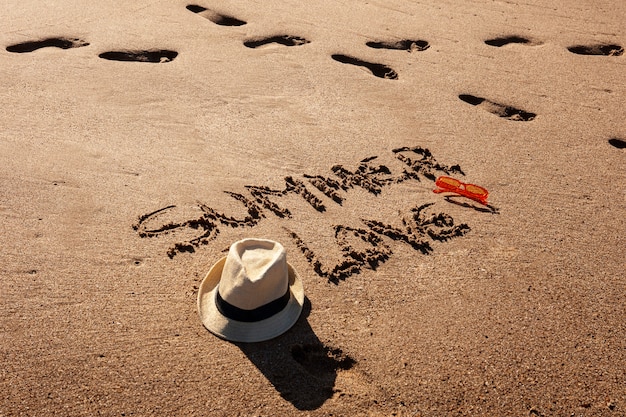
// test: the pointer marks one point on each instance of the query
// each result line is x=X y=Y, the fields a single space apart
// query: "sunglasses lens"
x=474 y=189
x=447 y=181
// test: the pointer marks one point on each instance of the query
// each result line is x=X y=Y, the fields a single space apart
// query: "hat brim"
x=237 y=331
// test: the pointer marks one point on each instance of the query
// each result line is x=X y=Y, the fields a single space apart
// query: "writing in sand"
x=417 y=229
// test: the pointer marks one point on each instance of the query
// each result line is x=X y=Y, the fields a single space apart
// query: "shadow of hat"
x=298 y=365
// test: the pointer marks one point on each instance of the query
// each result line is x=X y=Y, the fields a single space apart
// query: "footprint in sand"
x=337 y=373
x=598 y=49
x=507 y=112
x=379 y=70
x=403 y=45
x=506 y=40
x=286 y=40
x=152 y=55
x=217 y=18
x=319 y=360
x=618 y=143
x=63 y=43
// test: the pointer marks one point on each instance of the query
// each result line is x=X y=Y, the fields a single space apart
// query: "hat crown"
x=255 y=273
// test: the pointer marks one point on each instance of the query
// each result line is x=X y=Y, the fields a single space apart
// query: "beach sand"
x=140 y=139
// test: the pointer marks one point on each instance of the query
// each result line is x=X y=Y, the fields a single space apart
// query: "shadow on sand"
x=459 y=200
x=301 y=368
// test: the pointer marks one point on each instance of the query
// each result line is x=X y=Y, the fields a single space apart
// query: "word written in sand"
x=418 y=228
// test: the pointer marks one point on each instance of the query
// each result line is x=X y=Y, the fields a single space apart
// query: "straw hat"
x=252 y=294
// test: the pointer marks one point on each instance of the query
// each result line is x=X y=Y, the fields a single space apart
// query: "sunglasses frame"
x=461 y=189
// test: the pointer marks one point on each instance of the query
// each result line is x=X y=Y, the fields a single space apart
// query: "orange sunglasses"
x=474 y=192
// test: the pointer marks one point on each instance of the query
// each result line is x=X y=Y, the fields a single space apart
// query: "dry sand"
x=121 y=182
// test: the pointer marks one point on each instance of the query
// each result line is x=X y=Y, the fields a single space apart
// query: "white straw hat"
x=252 y=294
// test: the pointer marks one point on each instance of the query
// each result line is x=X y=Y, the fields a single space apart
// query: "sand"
x=140 y=139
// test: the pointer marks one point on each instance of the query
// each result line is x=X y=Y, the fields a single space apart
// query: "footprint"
x=63 y=43
x=335 y=372
x=379 y=70
x=599 y=49
x=403 y=45
x=319 y=360
x=153 y=55
x=286 y=40
x=217 y=18
x=498 y=42
x=618 y=143
x=507 y=112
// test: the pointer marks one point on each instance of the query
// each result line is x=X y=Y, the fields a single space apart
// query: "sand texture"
x=139 y=139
